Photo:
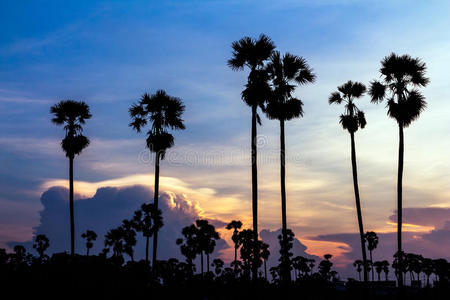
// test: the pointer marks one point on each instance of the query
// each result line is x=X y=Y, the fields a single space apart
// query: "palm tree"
x=401 y=78
x=207 y=236
x=72 y=114
x=372 y=243
x=265 y=253
x=284 y=73
x=252 y=53
x=129 y=238
x=358 y=265
x=378 y=266
x=235 y=225
x=353 y=119
x=162 y=112
x=147 y=220
x=385 y=264
x=89 y=236
x=41 y=243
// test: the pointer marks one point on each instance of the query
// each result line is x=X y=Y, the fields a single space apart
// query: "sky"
x=109 y=53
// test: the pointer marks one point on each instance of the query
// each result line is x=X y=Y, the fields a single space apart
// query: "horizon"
x=109 y=54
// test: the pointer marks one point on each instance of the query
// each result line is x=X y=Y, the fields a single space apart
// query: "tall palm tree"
x=147 y=220
x=162 y=112
x=235 y=225
x=372 y=243
x=252 y=53
x=72 y=114
x=358 y=265
x=401 y=75
x=285 y=72
x=89 y=236
x=353 y=119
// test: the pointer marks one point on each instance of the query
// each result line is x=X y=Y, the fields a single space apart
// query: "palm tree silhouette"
x=235 y=225
x=252 y=53
x=41 y=243
x=89 y=236
x=189 y=245
x=353 y=119
x=284 y=72
x=401 y=78
x=207 y=236
x=147 y=220
x=358 y=265
x=378 y=266
x=385 y=264
x=372 y=243
x=162 y=112
x=72 y=114
x=265 y=253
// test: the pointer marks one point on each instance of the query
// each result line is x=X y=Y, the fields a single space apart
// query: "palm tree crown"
x=163 y=112
x=72 y=114
x=284 y=72
x=402 y=75
x=353 y=118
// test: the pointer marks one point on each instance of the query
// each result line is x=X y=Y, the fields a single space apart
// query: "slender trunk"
x=155 y=201
x=359 y=275
x=207 y=262
x=235 y=257
x=358 y=206
x=378 y=276
x=201 y=261
x=146 y=248
x=371 y=260
x=399 y=202
x=87 y=251
x=72 y=217
x=265 y=269
x=254 y=193
x=285 y=272
x=386 y=276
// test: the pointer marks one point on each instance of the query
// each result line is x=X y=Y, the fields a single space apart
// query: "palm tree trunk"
x=286 y=273
x=265 y=269
x=371 y=260
x=359 y=275
x=235 y=257
x=146 y=248
x=72 y=217
x=155 y=201
x=87 y=251
x=399 y=202
x=207 y=262
x=358 y=206
x=254 y=192
x=201 y=261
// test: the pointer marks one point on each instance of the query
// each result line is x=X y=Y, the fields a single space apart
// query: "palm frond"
x=335 y=97
x=377 y=91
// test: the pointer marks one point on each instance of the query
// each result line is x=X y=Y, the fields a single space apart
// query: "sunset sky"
x=109 y=53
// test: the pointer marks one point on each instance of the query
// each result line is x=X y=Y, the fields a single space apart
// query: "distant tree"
x=72 y=114
x=358 y=265
x=353 y=119
x=378 y=266
x=147 y=220
x=311 y=264
x=206 y=239
x=372 y=243
x=218 y=266
x=41 y=243
x=401 y=78
x=300 y=266
x=129 y=238
x=385 y=264
x=286 y=242
x=89 y=236
x=19 y=253
x=235 y=225
x=265 y=253
x=250 y=249
x=253 y=53
x=162 y=112
x=325 y=266
x=428 y=268
x=285 y=73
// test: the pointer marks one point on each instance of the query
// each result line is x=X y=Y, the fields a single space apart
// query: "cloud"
x=425 y=216
x=106 y=209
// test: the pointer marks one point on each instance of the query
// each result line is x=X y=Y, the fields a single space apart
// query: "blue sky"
x=109 y=53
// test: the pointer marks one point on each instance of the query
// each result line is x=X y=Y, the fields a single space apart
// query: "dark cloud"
x=106 y=210
x=425 y=216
